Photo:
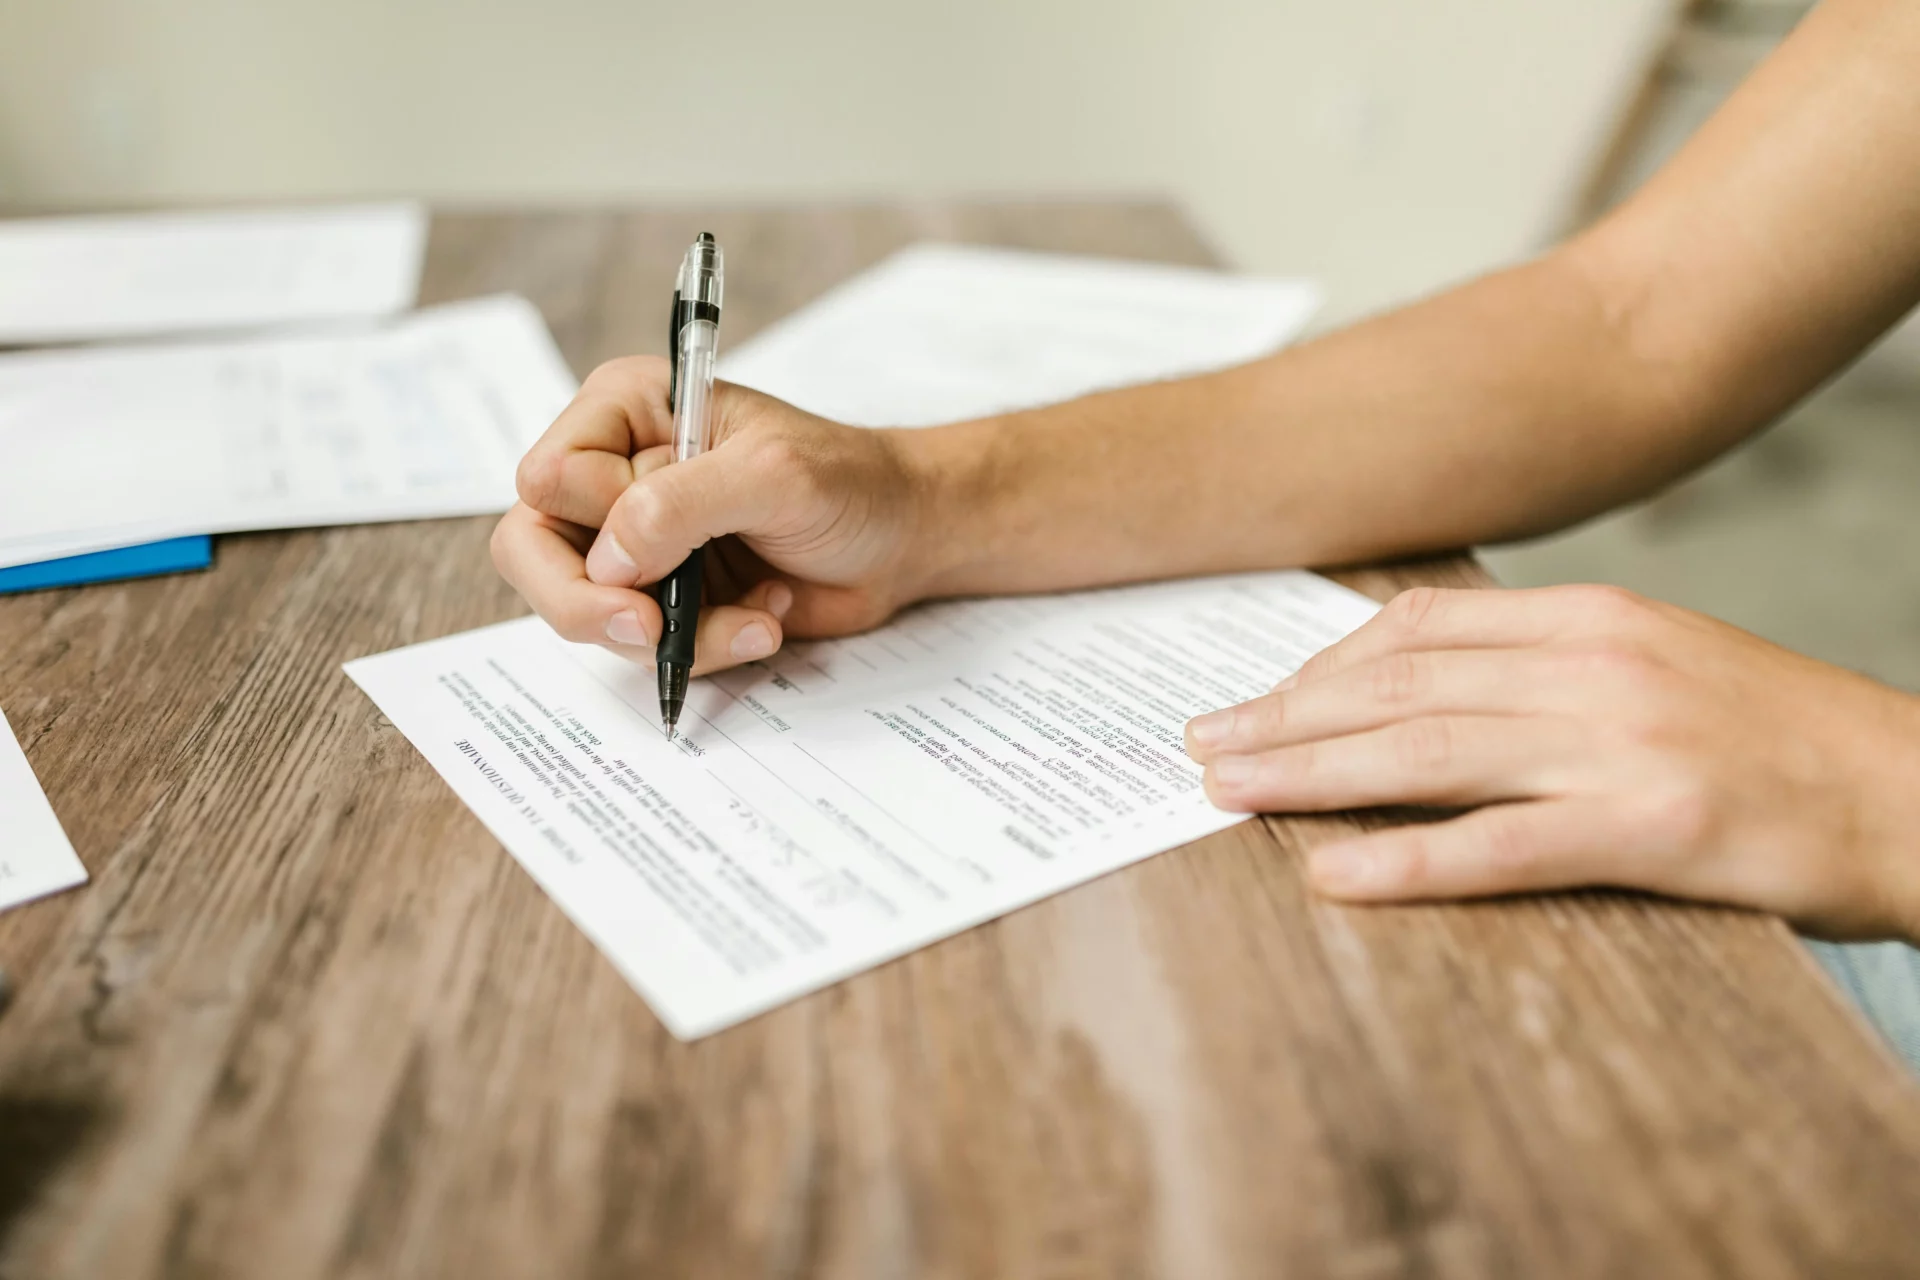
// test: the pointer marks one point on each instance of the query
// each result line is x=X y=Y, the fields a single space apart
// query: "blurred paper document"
x=102 y=447
x=847 y=801
x=35 y=856
x=938 y=333
x=77 y=279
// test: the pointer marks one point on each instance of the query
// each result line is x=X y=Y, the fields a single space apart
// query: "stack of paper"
x=424 y=417
x=848 y=801
x=118 y=461
x=940 y=332
x=81 y=279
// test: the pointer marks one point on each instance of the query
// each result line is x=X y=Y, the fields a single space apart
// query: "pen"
x=694 y=343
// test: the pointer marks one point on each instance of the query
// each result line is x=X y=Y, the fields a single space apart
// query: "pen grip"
x=679 y=597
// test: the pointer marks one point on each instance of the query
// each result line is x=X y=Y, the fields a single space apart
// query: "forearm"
x=1765 y=256
x=1505 y=407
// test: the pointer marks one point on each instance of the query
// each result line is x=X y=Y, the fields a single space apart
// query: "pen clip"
x=673 y=355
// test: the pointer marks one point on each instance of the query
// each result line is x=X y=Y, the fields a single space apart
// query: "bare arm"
x=1781 y=241
x=1612 y=740
x=1770 y=252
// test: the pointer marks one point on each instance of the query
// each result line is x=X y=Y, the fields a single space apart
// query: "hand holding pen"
x=799 y=526
x=693 y=336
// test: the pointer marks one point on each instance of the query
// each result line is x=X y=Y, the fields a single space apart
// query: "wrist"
x=955 y=517
x=1893 y=827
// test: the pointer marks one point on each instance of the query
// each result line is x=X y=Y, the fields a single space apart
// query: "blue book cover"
x=143 y=561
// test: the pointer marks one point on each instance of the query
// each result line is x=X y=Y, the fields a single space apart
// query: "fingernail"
x=1234 y=770
x=609 y=564
x=626 y=628
x=1345 y=869
x=1211 y=728
x=754 y=641
x=779 y=600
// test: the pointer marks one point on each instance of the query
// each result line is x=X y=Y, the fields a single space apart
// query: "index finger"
x=585 y=460
x=541 y=558
x=1428 y=618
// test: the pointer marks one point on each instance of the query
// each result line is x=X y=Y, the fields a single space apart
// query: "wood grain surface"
x=310 y=1020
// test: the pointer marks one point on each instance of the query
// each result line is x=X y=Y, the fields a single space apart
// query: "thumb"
x=667 y=513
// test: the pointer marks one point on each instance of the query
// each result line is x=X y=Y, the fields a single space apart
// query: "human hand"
x=1612 y=740
x=806 y=523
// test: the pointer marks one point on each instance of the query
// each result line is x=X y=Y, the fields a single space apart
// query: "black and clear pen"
x=694 y=345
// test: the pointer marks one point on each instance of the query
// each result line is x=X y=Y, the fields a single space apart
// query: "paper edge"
x=79 y=875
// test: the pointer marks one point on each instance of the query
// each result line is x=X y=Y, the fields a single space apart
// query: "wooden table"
x=310 y=1020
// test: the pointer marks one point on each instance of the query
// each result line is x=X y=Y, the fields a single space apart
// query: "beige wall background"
x=1385 y=146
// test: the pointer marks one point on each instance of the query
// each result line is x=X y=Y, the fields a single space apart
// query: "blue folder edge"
x=144 y=561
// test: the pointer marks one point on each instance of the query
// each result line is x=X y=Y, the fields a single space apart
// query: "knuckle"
x=625 y=373
x=1414 y=858
x=537 y=479
x=1399 y=679
x=1624 y=674
x=1677 y=818
x=1303 y=764
x=1604 y=604
x=1509 y=852
x=1640 y=682
x=1415 y=608
x=1316 y=667
x=646 y=513
x=1267 y=713
x=779 y=453
x=500 y=546
x=1312 y=668
x=1425 y=745
x=1628 y=696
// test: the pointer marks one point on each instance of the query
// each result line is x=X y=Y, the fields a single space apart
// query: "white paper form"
x=938 y=333
x=428 y=417
x=850 y=800
x=36 y=858
x=121 y=276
